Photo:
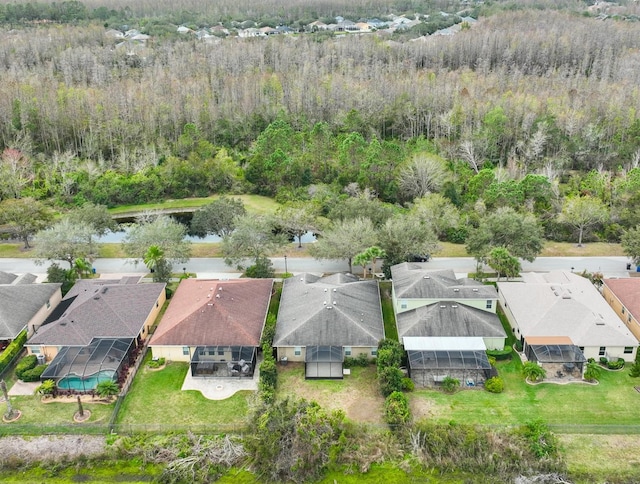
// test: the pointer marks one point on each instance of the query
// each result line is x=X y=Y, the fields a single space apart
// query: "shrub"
x=34 y=373
x=156 y=363
x=603 y=361
x=635 y=370
x=47 y=387
x=541 y=440
x=494 y=385
x=268 y=373
x=107 y=389
x=450 y=385
x=389 y=353
x=503 y=354
x=390 y=380
x=25 y=364
x=396 y=409
x=615 y=365
x=361 y=360
x=408 y=385
x=263 y=268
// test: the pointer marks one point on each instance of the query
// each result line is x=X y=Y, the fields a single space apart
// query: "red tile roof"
x=205 y=312
x=628 y=292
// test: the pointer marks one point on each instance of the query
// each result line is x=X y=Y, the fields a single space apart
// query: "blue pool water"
x=85 y=384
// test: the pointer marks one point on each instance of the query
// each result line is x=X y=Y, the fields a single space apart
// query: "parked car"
x=419 y=258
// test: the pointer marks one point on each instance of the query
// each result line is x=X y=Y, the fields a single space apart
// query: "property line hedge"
x=14 y=348
x=503 y=354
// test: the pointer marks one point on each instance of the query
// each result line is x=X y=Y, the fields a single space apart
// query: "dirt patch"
x=48 y=448
x=421 y=408
x=357 y=394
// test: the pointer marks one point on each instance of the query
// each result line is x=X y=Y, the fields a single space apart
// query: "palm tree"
x=362 y=259
x=107 y=389
x=592 y=371
x=376 y=253
x=154 y=257
x=533 y=372
x=82 y=267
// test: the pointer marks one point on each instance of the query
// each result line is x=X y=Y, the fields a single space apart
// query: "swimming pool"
x=88 y=383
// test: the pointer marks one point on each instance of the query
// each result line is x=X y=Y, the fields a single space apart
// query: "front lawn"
x=612 y=402
x=156 y=402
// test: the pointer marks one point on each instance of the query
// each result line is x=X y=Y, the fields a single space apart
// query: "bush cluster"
x=33 y=374
x=157 y=363
x=27 y=363
x=504 y=354
x=268 y=375
x=359 y=361
x=396 y=409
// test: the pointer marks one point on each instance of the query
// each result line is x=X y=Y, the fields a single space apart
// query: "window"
x=602 y=351
x=157 y=304
x=48 y=303
x=403 y=304
x=185 y=350
x=35 y=351
x=623 y=310
x=347 y=351
x=374 y=351
x=628 y=350
x=581 y=348
x=489 y=304
x=297 y=351
x=220 y=352
x=629 y=319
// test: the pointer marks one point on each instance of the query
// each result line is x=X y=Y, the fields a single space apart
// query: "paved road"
x=609 y=266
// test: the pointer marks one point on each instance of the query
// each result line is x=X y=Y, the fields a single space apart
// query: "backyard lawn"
x=357 y=394
x=38 y=418
x=612 y=402
x=388 y=315
x=156 y=401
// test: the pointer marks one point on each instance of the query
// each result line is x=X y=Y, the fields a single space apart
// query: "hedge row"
x=12 y=350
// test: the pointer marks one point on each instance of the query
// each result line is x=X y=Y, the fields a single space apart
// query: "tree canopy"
x=162 y=232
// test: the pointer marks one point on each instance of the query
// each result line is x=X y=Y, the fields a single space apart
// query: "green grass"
x=156 y=401
x=11 y=250
x=612 y=402
x=388 y=315
x=55 y=417
x=253 y=203
x=94 y=471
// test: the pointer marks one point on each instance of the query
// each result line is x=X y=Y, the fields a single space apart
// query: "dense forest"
x=527 y=108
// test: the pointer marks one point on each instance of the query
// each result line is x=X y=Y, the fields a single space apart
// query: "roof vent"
x=63 y=323
x=475 y=289
x=426 y=277
x=209 y=304
x=334 y=289
x=208 y=295
x=302 y=278
x=104 y=290
x=455 y=289
x=329 y=307
x=335 y=303
x=220 y=289
x=218 y=296
x=454 y=305
x=324 y=302
x=325 y=289
x=442 y=306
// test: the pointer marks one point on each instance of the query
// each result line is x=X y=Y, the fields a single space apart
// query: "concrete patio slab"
x=221 y=388
x=22 y=388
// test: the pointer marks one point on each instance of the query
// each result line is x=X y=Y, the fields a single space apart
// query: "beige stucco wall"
x=289 y=352
x=171 y=353
x=612 y=353
x=43 y=313
x=617 y=306
x=494 y=343
x=153 y=314
x=50 y=352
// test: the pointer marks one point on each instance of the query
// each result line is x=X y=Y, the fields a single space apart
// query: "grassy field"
x=156 y=401
x=253 y=203
x=612 y=402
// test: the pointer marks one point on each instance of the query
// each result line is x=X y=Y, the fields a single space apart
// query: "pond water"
x=116 y=237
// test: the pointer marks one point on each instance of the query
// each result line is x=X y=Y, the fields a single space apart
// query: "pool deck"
x=23 y=388
x=222 y=388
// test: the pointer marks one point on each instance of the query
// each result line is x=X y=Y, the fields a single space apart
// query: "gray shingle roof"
x=338 y=310
x=19 y=303
x=100 y=311
x=7 y=277
x=449 y=319
x=412 y=280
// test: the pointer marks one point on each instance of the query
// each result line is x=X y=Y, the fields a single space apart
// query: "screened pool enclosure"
x=81 y=368
x=430 y=368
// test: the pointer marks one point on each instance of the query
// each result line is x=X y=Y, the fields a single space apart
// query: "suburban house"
x=322 y=320
x=445 y=324
x=214 y=325
x=623 y=295
x=565 y=312
x=24 y=304
x=96 y=330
